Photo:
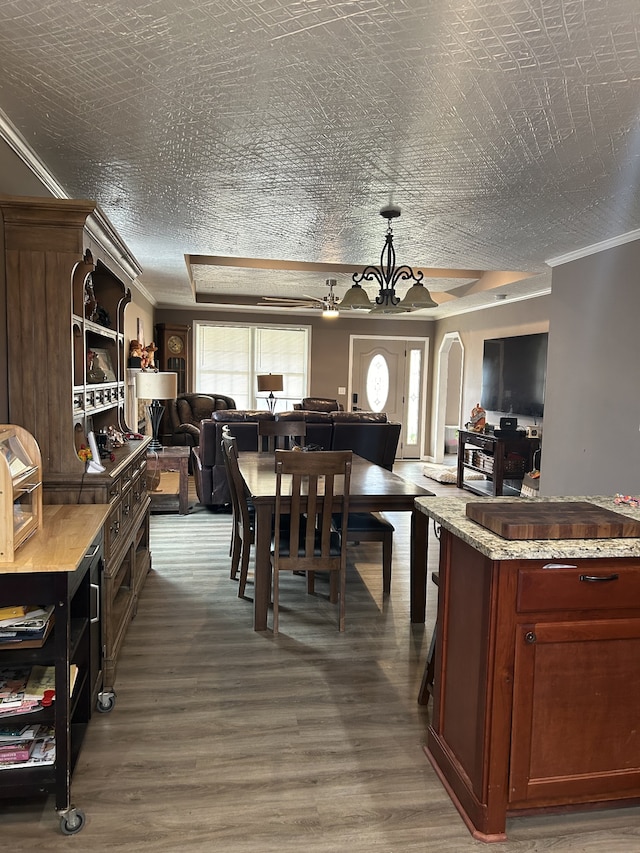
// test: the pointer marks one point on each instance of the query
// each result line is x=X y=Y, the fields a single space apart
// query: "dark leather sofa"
x=369 y=434
x=187 y=411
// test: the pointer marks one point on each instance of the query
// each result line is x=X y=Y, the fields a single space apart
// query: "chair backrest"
x=237 y=486
x=319 y=486
x=280 y=435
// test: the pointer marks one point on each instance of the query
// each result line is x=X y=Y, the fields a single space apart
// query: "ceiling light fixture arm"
x=387 y=275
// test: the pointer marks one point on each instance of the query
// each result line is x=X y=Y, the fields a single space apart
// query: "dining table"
x=373 y=489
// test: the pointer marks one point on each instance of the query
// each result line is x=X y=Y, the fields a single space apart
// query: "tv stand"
x=491 y=456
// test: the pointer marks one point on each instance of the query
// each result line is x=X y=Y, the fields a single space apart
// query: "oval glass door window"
x=377 y=383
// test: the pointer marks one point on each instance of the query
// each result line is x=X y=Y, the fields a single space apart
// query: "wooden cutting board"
x=552 y=520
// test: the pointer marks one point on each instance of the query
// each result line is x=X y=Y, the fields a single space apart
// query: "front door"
x=387 y=376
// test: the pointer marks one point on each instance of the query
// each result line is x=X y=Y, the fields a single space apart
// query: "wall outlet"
x=342 y=390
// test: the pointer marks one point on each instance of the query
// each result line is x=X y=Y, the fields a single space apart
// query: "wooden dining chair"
x=243 y=516
x=370 y=527
x=280 y=435
x=304 y=537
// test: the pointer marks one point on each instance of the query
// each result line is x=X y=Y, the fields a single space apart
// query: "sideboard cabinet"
x=68 y=276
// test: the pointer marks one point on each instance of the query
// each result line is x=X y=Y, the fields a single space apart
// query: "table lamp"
x=156 y=387
x=270 y=382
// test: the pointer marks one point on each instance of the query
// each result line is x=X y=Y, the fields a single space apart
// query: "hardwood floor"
x=225 y=740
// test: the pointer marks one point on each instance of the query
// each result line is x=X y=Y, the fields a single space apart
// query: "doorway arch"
x=448 y=408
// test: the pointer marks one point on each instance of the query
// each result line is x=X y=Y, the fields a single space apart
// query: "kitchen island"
x=537 y=679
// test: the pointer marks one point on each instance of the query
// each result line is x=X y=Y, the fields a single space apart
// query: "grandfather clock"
x=173 y=353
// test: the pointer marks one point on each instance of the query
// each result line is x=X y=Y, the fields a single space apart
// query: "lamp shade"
x=270 y=382
x=418 y=297
x=156 y=386
x=356 y=298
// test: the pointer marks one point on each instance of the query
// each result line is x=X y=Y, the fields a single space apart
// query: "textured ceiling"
x=506 y=131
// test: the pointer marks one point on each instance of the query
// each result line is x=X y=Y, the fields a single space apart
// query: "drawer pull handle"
x=530 y=637
x=598 y=578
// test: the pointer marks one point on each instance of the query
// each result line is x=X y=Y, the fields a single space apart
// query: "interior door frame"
x=442 y=383
x=425 y=341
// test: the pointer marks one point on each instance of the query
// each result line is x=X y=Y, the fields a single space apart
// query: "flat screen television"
x=514 y=371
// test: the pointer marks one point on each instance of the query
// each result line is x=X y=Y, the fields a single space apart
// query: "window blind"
x=230 y=356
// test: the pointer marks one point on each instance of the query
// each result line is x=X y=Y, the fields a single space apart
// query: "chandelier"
x=387 y=275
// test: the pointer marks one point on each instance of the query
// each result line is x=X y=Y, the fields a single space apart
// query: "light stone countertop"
x=450 y=513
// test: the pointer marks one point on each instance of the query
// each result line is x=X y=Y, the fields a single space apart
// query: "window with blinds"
x=228 y=357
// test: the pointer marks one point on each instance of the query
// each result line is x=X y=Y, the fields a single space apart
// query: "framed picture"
x=99 y=366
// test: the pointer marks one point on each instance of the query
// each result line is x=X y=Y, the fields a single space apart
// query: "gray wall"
x=591 y=438
x=505 y=319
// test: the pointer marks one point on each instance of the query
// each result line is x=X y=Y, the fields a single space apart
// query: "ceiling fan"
x=328 y=304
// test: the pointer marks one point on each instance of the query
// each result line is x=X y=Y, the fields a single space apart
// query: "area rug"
x=448 y=473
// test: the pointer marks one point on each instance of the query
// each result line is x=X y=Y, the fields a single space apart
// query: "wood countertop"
x=61 y=543
x=451 y=514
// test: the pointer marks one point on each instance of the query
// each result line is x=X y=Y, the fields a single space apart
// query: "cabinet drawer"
x=127 y=510
x=113 y=530
x=127 y=476
x=579 y=585
x=115 y=489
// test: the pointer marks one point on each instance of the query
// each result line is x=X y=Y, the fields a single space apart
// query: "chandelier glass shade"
x=387 y=276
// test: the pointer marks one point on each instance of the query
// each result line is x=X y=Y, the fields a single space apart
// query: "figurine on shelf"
x=478 y=419
x=102 y=317
x=148 y=359
x=114 y=438
x=90 y=301
x=136 y=354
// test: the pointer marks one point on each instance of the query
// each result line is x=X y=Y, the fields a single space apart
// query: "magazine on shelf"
x=42 y=754
x=28 y=628
x=34 y=618
x=20 y=751
x=17 y=745
x=15 y=734
x=13 y=681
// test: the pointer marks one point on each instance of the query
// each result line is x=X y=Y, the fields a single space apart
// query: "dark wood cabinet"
x=60 y=565
x=536 y=684
x=498 y=458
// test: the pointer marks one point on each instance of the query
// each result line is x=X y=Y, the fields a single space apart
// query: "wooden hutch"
x=68 y=277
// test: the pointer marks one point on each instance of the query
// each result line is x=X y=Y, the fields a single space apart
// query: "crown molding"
x=21 y=147
x=594 y=248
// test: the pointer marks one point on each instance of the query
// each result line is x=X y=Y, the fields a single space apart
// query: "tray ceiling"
x=506 y=131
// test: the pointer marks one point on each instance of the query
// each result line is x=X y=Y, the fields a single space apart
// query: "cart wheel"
x=72 y=821
x=106 y=702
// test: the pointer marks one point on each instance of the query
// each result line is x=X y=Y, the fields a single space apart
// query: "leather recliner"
x=209 y=471
x=186 y=412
